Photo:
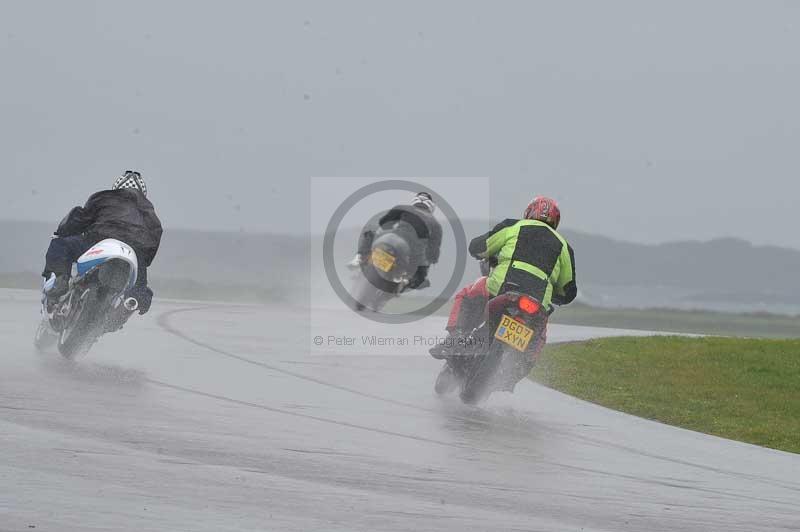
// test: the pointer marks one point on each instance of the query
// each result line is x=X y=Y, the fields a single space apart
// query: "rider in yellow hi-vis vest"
x=530 y=254
x=533 y=259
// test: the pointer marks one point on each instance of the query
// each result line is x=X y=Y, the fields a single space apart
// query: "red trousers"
x=467 y=311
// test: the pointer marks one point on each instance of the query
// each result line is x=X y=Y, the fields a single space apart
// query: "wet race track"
x=204 y=417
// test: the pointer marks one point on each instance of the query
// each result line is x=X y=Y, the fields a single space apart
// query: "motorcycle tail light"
x=528 y=305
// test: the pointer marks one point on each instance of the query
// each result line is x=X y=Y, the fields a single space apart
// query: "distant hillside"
x=727 y=270
x=189 y=263
x=723 y=274
x=724 y=265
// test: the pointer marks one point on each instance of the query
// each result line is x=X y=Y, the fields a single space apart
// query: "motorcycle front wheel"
x=82 y=326
x=447 y=381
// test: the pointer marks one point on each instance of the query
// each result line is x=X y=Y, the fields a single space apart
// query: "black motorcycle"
x=393 y=260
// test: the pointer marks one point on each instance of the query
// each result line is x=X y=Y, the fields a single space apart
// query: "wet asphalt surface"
x=208 y=417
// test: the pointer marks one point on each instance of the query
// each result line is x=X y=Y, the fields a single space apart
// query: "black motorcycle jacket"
x=124 y=214
x=425 y=225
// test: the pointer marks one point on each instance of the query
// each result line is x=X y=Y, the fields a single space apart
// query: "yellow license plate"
x=382 y=260
x=513 y=333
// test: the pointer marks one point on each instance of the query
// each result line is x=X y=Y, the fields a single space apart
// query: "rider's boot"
x=59 y=287
x=441 y=350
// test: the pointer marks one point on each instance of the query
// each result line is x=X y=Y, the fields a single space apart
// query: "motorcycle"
x=95 y=302
x=499 y=353
x=391 y=265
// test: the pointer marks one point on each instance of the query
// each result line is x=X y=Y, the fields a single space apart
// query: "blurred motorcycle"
x=390 y=267
x=499 y=353
x=95 y=303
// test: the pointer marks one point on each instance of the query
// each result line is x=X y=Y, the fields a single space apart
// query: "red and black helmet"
x=545 y=210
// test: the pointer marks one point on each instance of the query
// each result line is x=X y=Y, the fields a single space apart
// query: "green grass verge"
x=682 y=321
x=742 y=389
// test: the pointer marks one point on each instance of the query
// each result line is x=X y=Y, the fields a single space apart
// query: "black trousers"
x=63 y=251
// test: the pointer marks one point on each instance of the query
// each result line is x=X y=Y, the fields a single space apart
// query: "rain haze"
x=648 y=121
x=634 y=368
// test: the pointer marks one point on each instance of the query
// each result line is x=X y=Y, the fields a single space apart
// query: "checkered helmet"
x=130 y=179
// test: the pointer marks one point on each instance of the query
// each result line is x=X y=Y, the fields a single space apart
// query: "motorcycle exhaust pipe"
x=131 y=304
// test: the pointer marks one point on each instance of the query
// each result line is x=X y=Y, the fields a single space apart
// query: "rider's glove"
x=358 y=261
x=144 y=296
x=416 y=281
x=420 y=278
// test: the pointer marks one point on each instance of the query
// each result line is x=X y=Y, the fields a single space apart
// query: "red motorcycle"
x=499 y=353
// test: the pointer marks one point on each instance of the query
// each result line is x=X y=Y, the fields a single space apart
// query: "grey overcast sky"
x=649 y=121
